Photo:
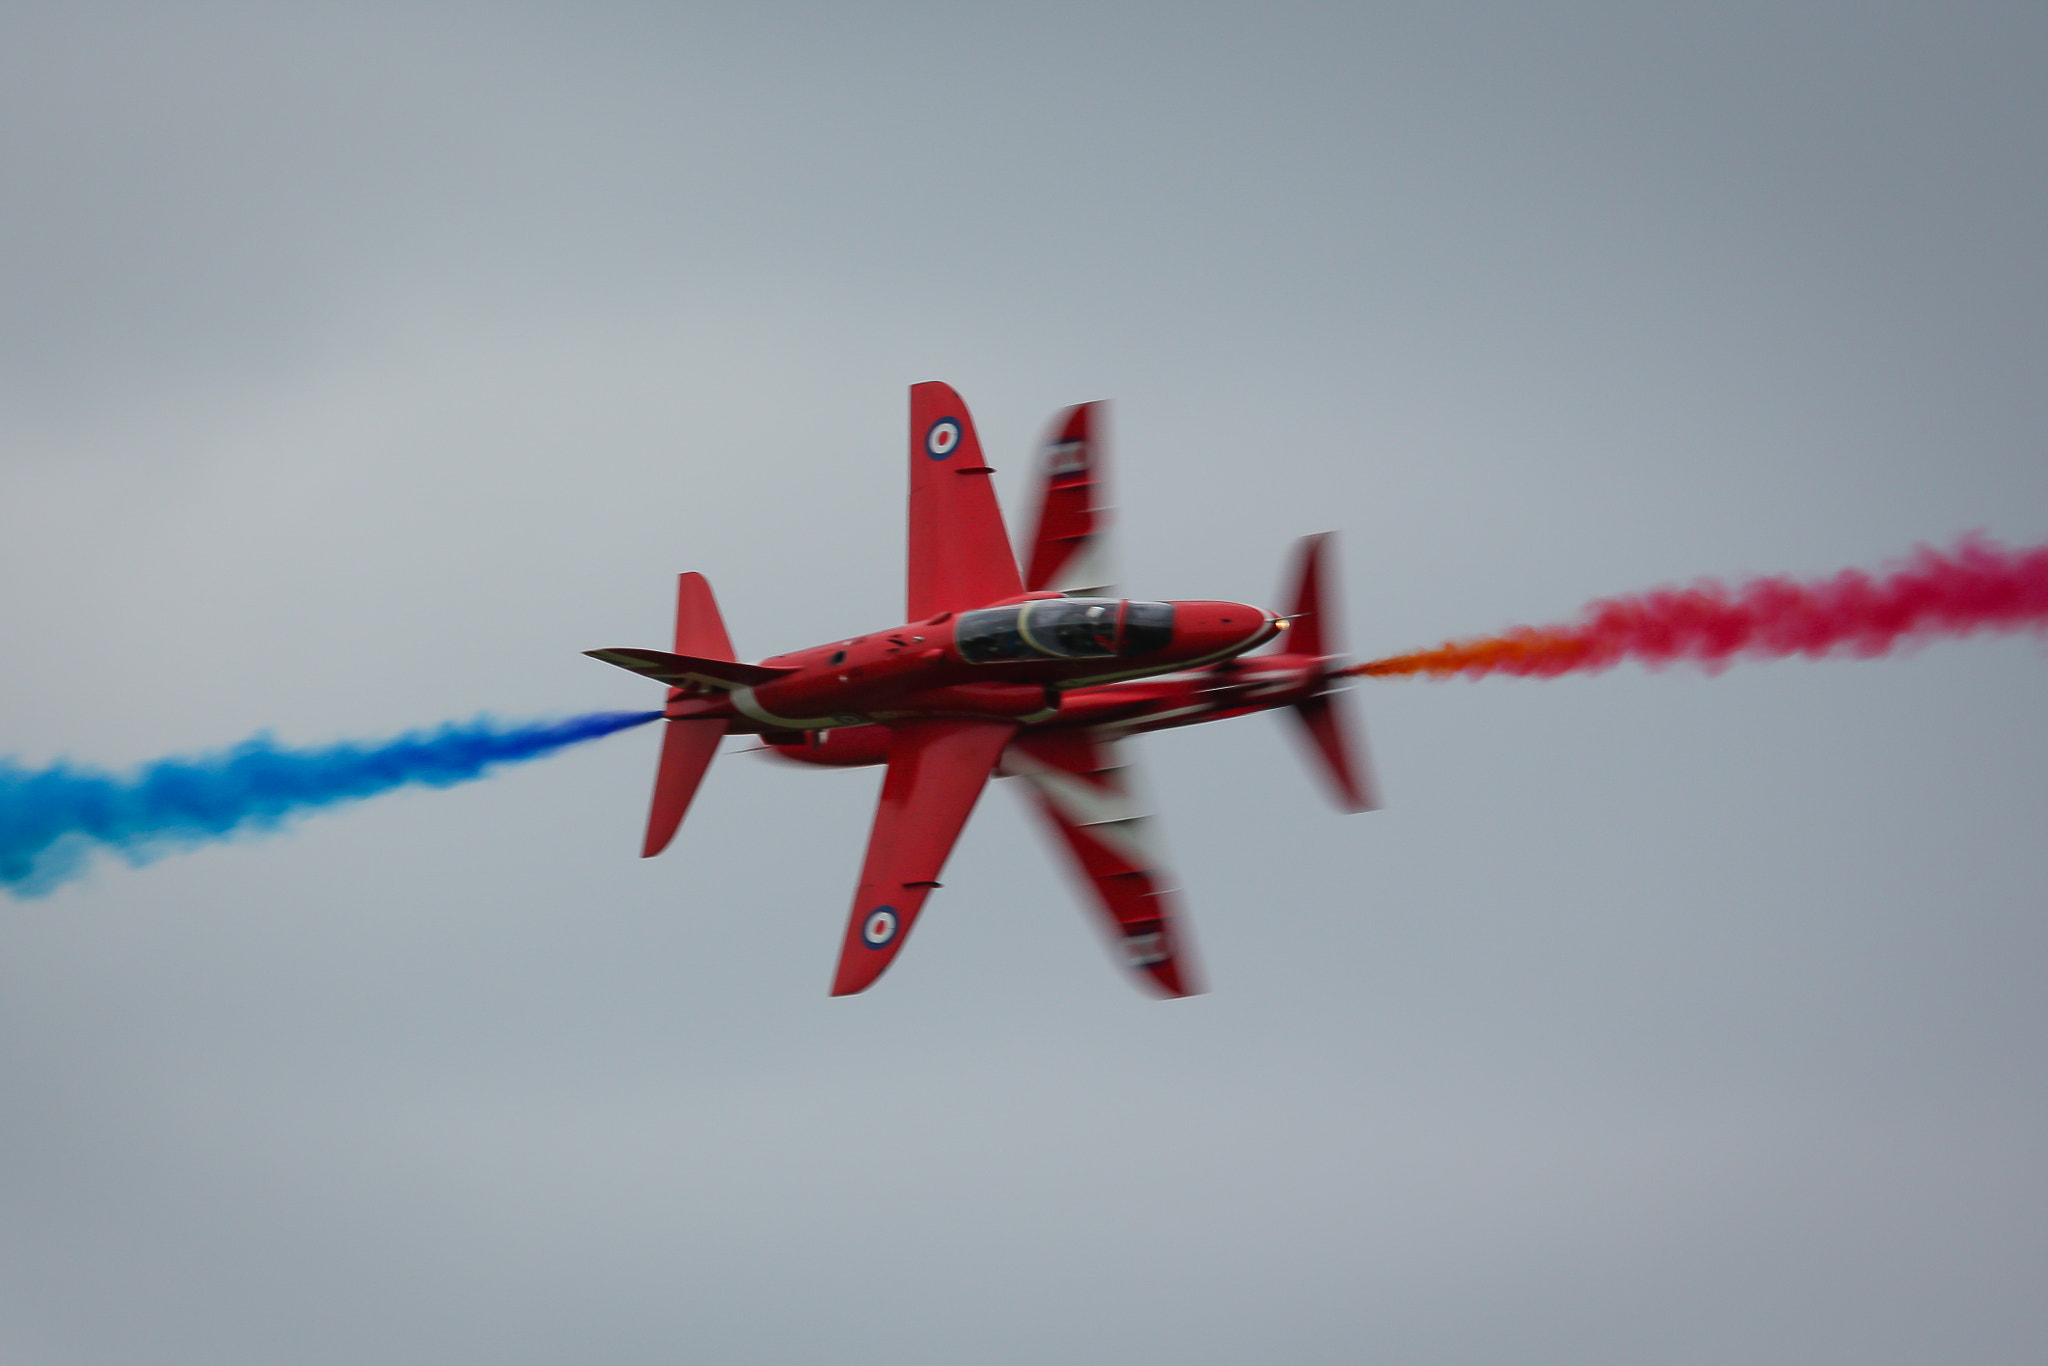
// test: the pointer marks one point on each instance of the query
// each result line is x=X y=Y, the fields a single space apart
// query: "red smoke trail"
x=1977 y=586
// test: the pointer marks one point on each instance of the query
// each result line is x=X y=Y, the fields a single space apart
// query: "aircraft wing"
x=1083 y=788
x=937 y=769
x=959 y=551
x=1067 y=549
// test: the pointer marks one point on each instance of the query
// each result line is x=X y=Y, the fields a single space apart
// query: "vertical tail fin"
x=687 y=746
x=1335 y=742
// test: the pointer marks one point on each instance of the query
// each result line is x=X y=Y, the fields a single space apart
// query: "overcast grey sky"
x=362 y=364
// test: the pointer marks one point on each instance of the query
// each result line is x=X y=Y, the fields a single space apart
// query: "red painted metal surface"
x=937 y=769
x=988 y=674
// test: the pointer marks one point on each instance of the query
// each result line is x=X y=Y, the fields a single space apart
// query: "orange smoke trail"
x=1976 y=586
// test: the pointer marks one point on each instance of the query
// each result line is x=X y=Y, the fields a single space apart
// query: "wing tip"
x=1169 y=983
x=854 y=977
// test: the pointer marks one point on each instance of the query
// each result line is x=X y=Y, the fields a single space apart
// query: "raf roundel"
x=879 y=928
x=942 y=438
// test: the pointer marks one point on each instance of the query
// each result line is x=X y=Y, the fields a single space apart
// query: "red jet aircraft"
x=1038 y=675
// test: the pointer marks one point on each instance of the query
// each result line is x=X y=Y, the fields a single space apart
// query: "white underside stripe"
x=744 y=702
x=1104 y=808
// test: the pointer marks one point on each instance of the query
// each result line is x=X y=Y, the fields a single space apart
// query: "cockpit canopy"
x=1064 y=628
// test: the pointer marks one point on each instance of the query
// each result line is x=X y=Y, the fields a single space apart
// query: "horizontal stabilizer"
x=700 y=630
x=1310 y=634
x=677 y=670
x=1336 y=750
x=687 y=748
x=1335 y=745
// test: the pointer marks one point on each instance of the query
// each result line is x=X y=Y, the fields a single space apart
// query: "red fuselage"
x=1030 y=660
x=1232 y=687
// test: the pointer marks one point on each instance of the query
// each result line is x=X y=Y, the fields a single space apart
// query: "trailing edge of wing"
x=937 y=769
x=1083 y=789
x=676 y=670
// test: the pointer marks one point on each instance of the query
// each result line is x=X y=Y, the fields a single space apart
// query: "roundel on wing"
x=942 y=438
x=879 y=928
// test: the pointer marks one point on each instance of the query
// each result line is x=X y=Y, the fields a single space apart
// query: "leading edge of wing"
x=937 y=770
x=1083 y=788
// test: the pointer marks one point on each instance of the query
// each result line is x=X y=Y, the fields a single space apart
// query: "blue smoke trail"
x=54 y=820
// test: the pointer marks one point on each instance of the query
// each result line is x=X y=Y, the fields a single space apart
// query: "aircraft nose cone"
x=1201 y=629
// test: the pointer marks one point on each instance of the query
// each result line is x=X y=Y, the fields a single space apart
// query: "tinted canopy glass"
x=1064 y=628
